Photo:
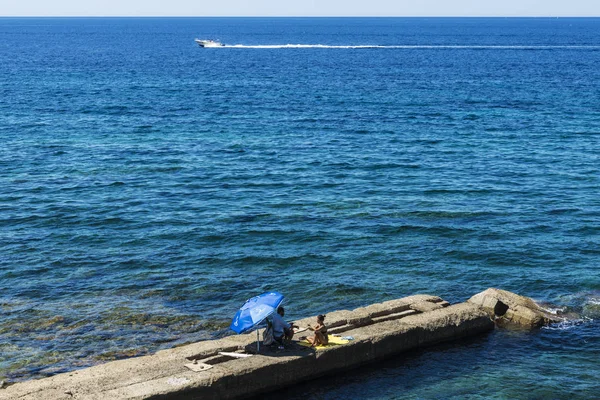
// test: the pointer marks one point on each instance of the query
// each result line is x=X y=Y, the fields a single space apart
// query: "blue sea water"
x=148 y=187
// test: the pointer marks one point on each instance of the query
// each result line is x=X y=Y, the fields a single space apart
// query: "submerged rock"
x=512 y=308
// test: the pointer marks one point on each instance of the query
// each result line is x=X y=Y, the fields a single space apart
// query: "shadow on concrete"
x=289 y=349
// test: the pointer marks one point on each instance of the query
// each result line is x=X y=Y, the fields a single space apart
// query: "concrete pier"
x=201 y=371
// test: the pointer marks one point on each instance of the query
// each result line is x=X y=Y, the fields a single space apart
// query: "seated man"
x=281 y=329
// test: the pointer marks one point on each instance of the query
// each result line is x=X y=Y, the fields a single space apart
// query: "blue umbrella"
x=254 y=311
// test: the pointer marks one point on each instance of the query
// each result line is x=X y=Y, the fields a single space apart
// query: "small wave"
x=591 y=308
x=410 y=47
x=580 y=307
x=555 y=310
x=568 y=324
x=560 y=211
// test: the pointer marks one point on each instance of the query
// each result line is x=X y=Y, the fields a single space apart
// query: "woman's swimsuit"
x=323 y=331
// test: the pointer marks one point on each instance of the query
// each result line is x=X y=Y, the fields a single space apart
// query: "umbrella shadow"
x=289 y=349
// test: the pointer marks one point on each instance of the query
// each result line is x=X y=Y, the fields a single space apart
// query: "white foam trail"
x=302 y=46
x=367 y=46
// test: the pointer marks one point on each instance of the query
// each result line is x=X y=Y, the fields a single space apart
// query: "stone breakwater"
x=223 y=369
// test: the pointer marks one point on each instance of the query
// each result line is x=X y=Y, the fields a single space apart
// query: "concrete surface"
x=380 y=331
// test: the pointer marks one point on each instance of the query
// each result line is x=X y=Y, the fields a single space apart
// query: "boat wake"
x=368 y=46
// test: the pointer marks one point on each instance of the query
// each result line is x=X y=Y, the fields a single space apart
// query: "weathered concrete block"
x=395 y=316
x=164 y=375
x=451 y=316
x=512 y=308
x=425 y=306
x=396 y=306
x=336 y=318
x=383 y=309
x=360 y=318
x=374 y=310
x=421 y=297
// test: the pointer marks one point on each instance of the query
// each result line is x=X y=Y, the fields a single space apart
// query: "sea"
x=148 y=187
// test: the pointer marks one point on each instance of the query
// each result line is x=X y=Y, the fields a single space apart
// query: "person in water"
x=320 y=338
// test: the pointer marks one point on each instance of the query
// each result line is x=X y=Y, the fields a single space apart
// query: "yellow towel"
x=333 y=341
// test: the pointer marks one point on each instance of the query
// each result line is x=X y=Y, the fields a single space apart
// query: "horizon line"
x=300 y=16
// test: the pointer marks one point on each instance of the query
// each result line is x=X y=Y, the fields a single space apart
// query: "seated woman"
x=320 y=338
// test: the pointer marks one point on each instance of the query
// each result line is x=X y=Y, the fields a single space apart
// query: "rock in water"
x=513 y=308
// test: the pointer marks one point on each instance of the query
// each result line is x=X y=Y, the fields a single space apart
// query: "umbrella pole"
x=257 y=343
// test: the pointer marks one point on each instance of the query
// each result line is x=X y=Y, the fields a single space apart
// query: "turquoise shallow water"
x=148 y=187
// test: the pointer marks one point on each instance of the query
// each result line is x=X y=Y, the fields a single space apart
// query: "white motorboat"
x=208 y=43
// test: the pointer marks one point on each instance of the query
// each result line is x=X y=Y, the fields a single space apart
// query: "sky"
x=554 y=8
